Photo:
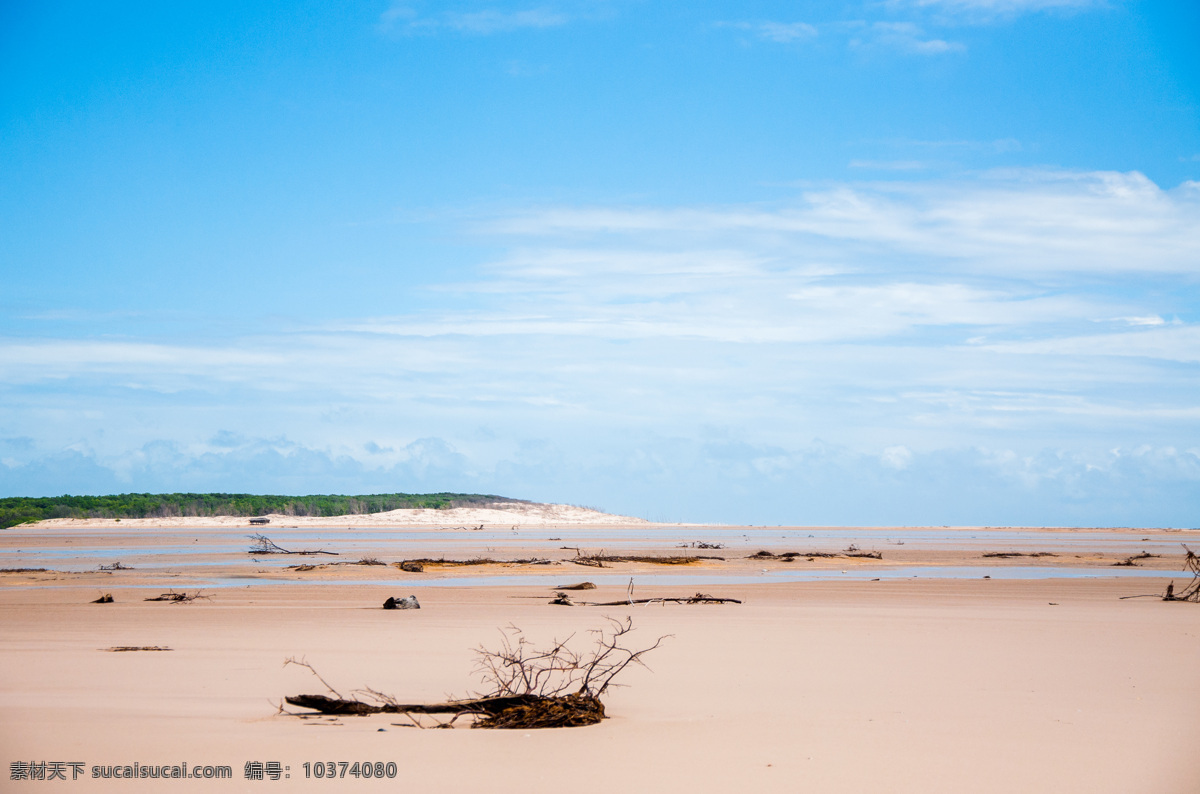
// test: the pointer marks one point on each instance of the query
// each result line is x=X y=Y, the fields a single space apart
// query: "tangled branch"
x=527 y=686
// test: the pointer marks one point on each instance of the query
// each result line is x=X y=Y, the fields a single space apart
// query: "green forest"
x=22 y=510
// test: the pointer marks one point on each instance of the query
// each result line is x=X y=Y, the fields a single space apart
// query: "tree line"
x=22 y=510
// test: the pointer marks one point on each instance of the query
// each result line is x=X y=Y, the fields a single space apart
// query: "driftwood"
x=1005 y=554
x=564 y=711
x=1192 y=592
x=698 y=598
x=520 y=712
x=1131 y=562
x=177 y=598
x=418 y=565
x=790 y=556
x=104 y=599
x=264 y=545
x=122 y=648
x=601 y=559
x=486 y=705
x=579 y=586
x=323 y=565
x=531 y=687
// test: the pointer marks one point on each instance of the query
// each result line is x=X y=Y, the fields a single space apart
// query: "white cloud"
x=785 y=32
x=493 y=21
x=1180 y=344
x=897 y=457
x=890 y=165
x=999 y=6
x=403 y=18
x=905 y=37
x=1148 y=320
x=1006 y=222
x=778 y=32
x=984 y=11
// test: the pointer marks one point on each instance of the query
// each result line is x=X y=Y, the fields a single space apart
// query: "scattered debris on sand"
x=124 y=648
x=579 y=586
x=104 y=599
x=1007 y=554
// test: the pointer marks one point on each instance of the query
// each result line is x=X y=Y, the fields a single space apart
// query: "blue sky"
x=897 y=262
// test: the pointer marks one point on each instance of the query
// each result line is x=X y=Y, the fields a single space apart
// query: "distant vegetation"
x=22 y=510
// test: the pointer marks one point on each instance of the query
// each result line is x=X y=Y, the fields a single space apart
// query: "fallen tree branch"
x=265 y=545
x=177 y=598
x=418 y=565
x=1192 y=592
x=1131 y=562
x=790 y=556
x=598 y=560
x=698 y=598
x=531 y=687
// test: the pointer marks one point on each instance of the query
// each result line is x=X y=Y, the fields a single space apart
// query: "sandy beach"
x=909 y=672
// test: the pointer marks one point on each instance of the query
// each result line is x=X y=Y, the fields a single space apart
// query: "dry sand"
x=899 y=685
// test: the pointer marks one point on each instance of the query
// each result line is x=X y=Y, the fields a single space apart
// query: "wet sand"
x=899 y=685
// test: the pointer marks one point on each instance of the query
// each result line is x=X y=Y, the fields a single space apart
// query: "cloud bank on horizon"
x=923 y=262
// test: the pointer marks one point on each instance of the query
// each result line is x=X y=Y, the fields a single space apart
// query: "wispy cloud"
x=996 y=146
x=1180 y=344
x=778 y=32
x=984 y=12
x=403 y=18
x=1004 y=222
x=995 y=6
x=492 y=21
x=890 y=165
x=904 y=37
